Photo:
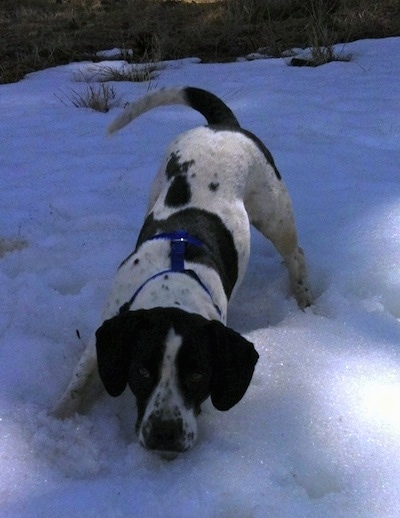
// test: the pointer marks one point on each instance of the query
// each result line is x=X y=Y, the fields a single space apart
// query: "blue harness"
x=178 y=239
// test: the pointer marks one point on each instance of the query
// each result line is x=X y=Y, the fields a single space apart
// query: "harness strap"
x=178 y=239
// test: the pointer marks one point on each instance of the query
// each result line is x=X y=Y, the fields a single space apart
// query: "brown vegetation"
x=35 y=34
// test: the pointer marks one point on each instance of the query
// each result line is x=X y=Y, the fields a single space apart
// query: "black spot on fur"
x=219 y=251
x=175 y=167
x=261 y=146
x=213 y=186
x=179 y=193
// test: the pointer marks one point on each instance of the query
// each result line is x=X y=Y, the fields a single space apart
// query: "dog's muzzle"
x=166 y=435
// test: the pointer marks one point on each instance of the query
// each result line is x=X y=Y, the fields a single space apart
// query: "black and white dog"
x=164 y=330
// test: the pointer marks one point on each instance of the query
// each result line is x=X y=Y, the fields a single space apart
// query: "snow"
x=318 y=432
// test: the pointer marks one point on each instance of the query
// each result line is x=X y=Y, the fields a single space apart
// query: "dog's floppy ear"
x=234 y=359
x=113 y=354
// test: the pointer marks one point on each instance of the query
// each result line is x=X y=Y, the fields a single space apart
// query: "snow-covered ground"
x=318 y=432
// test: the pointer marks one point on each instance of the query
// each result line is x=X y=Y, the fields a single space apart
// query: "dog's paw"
x=303 y=294
x=66 y=407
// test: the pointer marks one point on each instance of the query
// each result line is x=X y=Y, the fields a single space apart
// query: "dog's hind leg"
x=270 y=210
x=83 y=388
x=296 y=265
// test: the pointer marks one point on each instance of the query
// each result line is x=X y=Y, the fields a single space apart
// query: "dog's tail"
x=209 y=105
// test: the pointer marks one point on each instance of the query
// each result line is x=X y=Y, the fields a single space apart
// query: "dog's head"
x=172 y=361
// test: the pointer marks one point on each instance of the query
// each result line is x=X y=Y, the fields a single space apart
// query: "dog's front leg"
x=83 y=387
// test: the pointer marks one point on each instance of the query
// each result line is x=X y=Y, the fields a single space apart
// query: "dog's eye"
x=144 y=373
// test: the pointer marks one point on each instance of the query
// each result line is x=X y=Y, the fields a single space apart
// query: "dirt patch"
x=8 y=245
x=35 y=34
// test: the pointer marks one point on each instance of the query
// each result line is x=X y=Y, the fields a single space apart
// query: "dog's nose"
x=165 y=435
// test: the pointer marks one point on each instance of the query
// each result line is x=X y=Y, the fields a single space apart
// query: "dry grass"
x=135 y=73
x=100 y=97
x=35 y=34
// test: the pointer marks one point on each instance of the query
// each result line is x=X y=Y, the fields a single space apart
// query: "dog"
x=164 y=327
